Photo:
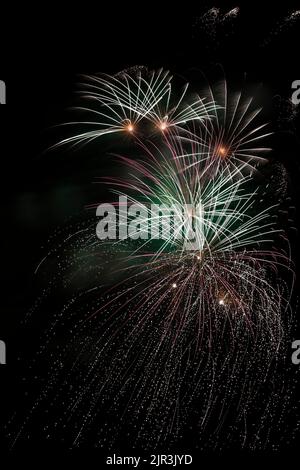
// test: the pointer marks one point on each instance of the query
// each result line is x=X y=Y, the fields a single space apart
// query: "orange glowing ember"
x=129 y=127
x=163 y=126
x=222 y=151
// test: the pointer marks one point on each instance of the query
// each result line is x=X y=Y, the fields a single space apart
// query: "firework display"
x=190 y=309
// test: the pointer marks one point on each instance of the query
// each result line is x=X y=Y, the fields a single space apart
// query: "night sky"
x=43 y=190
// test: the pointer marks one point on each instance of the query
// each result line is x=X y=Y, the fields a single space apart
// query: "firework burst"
x=121 y=102
x=178 y=322
x=232 y=138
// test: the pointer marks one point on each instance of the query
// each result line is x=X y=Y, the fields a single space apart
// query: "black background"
x=44 y=50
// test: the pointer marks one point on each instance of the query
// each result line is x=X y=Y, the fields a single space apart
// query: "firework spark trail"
x=283 y=26
x=155 y=350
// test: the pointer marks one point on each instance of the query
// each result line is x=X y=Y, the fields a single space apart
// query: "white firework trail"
x=232 y=138
x=119 y=103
